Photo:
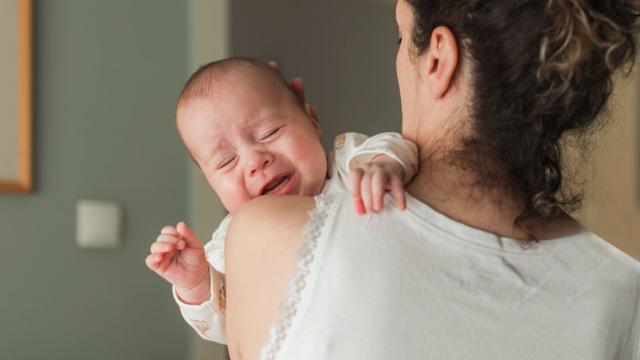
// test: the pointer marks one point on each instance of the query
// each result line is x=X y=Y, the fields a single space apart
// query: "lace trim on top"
x=305 y=257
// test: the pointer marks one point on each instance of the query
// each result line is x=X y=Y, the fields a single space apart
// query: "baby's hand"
x=178 y=257
x=369 y=181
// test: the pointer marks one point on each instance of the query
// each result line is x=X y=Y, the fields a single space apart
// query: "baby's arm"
x=207 y=319
x=374 y=165
x=179 y=258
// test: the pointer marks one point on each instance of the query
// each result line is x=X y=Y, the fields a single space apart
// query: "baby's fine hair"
x=202 y=83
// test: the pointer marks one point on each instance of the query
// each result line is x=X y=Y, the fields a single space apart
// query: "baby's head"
x=248 y=132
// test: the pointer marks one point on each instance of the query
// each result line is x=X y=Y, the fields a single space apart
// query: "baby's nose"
x=260 y=162
x=254 y=169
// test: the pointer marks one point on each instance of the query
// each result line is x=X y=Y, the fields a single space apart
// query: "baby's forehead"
x=252 y=78
x=236 y=110
x=253 y=91
x=235 y=73
x=244 y=94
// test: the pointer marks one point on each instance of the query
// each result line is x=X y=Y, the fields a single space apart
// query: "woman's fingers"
x=297 y=86
x=313 y=111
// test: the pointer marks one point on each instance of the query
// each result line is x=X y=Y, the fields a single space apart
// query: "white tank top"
x=419 y=285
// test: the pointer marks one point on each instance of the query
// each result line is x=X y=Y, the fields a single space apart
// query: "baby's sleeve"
x=207 y=319
x=352 y=147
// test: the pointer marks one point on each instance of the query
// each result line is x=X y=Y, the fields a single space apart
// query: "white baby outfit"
x=206 y=318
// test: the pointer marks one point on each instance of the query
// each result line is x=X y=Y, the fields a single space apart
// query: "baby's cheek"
x=316 y=175
x=232 y=197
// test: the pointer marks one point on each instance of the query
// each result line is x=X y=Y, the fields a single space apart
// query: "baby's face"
x=252 y=139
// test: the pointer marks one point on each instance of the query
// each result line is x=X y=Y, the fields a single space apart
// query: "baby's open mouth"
x=276 y=184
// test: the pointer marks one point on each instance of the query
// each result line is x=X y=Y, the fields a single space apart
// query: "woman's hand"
x=369 y=181
x=178 y=256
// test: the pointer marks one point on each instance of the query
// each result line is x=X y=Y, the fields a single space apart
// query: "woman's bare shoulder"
x=268 y=225
x=271 y=211
x=261 y=246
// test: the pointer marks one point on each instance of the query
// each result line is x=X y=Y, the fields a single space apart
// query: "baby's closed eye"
x=270 y=135
x=226 y=162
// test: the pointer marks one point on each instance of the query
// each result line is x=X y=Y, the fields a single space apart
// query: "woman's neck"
x=452 y=193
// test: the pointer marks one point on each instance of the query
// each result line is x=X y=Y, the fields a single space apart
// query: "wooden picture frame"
x=16 y=90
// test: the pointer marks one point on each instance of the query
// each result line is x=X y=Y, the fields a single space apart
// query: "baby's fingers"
x=169 y=230
x=188 y=236
x=161 y=247
x=398 y=193
x=355 y=181
x=165 y=262
x=365 y=186
x=152 y=261
x=171 y=239
x=378 y=185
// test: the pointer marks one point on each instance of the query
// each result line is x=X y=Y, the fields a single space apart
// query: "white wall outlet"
x=98 y=224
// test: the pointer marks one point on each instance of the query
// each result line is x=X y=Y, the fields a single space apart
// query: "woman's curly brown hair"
x=542 y=70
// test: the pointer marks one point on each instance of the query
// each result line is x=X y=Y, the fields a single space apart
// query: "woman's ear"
x=438 y=64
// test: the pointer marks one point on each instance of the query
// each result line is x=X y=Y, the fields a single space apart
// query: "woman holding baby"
x=484 y=263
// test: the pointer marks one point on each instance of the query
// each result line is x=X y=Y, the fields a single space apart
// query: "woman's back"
x=417 y=284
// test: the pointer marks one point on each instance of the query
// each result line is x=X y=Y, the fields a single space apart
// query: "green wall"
x=106 y=77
